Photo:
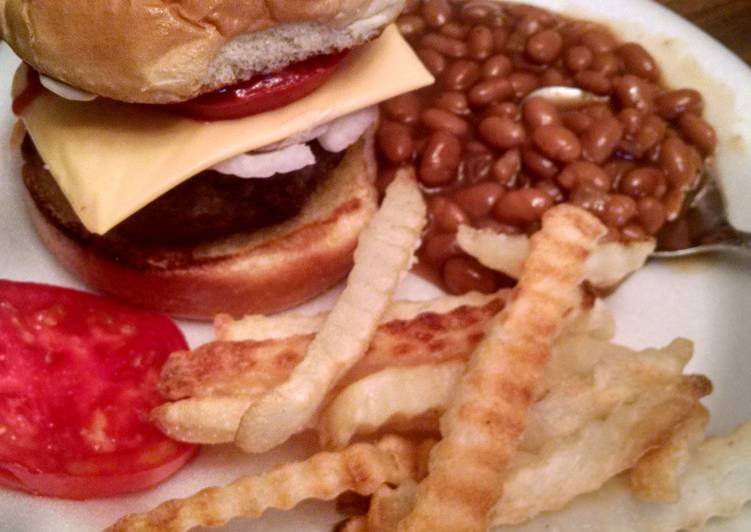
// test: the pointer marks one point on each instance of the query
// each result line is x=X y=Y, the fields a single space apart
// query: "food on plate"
x=487 y=415
x=213 y=385
x=197 y=158
x=78 y=377
x=383 y=256
x=362 y=467
x=657 y=475
x=490 y=156
x=608 y=265
x=717 y=483
x=598 y=409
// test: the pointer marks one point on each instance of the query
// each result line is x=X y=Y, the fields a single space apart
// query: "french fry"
x=390 y=505
x=608 y=265
x=209 y=409
x=362 y=468
x=716 y=483
x=384 y=253
x=259 y=327
x=369 y=404
x=483 y=425
x=205 y=420
x=657 y=475
x=568 y=467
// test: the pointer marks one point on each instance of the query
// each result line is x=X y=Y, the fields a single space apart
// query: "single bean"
x=633 y=91
x=439 y=119
x=497 y=66
x=460 y=75
x=578 y=58
x=551 y=189
x=440 y=159
x=478 y=200
x=445 y=45
x=538 y=164
x=523 y=83
x=436 y=12
x=607 y=63
x=558 y=143
x=501 y=133
x=439 y=247
x=404 y=108
x=445 y=214
x=544 y=47
x=601 y=139
x=540 y=112
x=590 y=198
x=577 y=121
x=637 y=61
x=455 y=30
x=581 y=173
x=651 y=133
x=505 y=109
x=642 y=182
x=433 y=60
x=672 y=104
x=476 y=13
x=634 y=233
x=524 y=205
x=490 y=90
x=410 y=25
x=480 y=42
x=552 y=77
x=619 y=210
x=699 y=133
x=632 y=120
x=651 y=214
x=598 y=40
x=676 y=162
x=507 y=167
x=395 y=141
x=594 y=82
x=463 y=274
x=453 y=101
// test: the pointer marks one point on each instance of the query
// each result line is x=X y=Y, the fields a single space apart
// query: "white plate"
x=707 y=300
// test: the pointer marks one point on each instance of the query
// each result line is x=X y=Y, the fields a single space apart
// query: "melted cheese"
x=112 y=159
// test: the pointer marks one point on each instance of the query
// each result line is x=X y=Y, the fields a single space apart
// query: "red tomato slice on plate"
x=78 y=378
x=262 y=93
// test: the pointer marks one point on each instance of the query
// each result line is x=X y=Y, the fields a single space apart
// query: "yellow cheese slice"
x=112 y=159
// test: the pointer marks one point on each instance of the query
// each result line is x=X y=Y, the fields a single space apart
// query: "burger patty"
x=207 y=207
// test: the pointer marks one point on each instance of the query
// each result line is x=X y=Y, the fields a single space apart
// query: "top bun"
x=151 y=51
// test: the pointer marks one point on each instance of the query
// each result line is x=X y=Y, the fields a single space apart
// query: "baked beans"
x=488 y=156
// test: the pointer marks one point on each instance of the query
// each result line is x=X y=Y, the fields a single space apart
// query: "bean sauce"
x=487 y=157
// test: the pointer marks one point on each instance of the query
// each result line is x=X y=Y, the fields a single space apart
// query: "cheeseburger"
x=204 y=156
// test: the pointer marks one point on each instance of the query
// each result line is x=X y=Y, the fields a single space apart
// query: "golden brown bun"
x=161 y=52
x=265 y=272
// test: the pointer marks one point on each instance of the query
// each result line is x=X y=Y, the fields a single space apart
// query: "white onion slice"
x=65 y=91
x=261 y=165
x=343 y=132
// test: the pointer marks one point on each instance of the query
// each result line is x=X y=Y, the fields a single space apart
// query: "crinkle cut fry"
x=362 y=468
x=482 y=427
x=384 y=253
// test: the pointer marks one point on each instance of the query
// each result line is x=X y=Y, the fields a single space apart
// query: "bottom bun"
x=264 y=272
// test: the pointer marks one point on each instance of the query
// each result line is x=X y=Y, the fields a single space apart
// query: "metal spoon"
x=703 y=227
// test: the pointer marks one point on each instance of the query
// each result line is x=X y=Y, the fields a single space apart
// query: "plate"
x=707 y=300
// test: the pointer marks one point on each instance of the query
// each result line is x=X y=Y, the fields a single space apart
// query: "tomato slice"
x=78 y=378
x=264 y=92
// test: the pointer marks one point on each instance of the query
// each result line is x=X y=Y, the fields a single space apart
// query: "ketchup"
x=32 y=90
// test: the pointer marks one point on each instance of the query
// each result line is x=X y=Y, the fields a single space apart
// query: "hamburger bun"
x=264 y=272
x=164 y=52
